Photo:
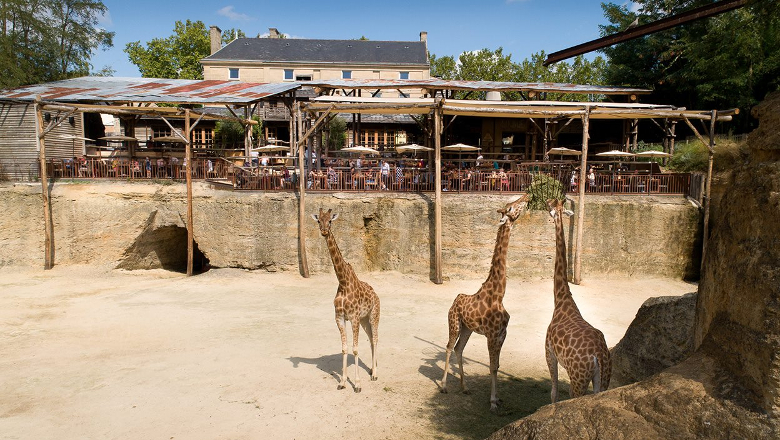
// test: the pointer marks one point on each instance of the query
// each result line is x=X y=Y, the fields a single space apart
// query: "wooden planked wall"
x=18 y=149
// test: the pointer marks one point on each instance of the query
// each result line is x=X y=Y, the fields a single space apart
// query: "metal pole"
x=581 y=201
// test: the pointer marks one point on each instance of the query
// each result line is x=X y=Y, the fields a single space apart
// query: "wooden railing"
x=373 y=179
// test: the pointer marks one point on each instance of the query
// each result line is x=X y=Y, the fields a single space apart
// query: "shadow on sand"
x=468 y=416
x=331 y=364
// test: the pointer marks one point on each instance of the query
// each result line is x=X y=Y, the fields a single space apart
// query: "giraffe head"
x=512 y=210
x=324 y=219
x=557 y=210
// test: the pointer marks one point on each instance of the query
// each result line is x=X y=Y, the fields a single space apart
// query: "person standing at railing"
x=592 y=178
x=174 y=166
x=148 y=166
x=385 y=174
x=332 y=178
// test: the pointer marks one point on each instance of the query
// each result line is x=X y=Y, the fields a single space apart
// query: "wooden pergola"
x=140 y=97
x=318 y=110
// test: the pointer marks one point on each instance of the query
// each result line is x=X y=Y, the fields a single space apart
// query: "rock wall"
x=99 y=222
x=738 y=309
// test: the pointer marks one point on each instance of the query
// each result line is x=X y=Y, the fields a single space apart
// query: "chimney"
x=215 y=35
x=273 y=33
x=424 y=37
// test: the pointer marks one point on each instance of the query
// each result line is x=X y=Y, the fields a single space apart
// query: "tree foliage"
x=49 y=40
x=229 y=35
x=487 y=65
x=176 y=56
x=729 y=60
x=228 y=134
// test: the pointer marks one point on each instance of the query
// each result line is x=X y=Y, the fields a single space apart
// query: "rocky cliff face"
x=105 y=223
x=738 y=309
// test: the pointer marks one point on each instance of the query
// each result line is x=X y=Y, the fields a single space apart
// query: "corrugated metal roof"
x=294 y=50
x=500 y=86
x=108 y=89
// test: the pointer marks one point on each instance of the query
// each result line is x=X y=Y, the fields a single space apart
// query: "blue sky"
x=521 y=27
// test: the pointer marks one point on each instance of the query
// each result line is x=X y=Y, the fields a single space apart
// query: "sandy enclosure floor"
x=91 y=353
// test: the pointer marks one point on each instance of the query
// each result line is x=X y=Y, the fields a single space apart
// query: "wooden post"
x=707 y=201
x=672 y=136
x=247 y=133
x=581 y=202
x=302 y=191
x=437 y=124
x=48 y=226
x=634 y=134
x=188 y=156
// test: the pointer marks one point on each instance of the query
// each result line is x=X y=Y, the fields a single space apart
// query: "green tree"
x=444 y=67
x=231 y=34
x=229 y=134
x=176 y=56
x=48 y=40
x=729 y=60
x=338 y=133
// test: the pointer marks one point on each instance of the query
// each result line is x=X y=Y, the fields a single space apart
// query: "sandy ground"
x=91 y=353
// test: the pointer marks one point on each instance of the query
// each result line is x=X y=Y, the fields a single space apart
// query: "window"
x=346 y=74
x=233 y=73
x=404 y=75
x=303 y=77
x=403 y=95
x=288 y=74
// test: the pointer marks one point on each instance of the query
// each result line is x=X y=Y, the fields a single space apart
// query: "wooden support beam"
x=316 y=124
x=48 y=224
x=437 y=131
x=708 y=190
x=188 y=157
x=175 y=131
x=581 y=202
x=302 y=194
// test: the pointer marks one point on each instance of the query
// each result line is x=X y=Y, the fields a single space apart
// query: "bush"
x=694 y=156
x=542 y=189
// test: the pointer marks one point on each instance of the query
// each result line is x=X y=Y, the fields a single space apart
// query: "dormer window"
x=233 y=73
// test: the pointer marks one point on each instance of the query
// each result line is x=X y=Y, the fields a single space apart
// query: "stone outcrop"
x=660 y=336
x=99 y=223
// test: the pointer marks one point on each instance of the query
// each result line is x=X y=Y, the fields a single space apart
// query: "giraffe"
x=577 y=345
x=355 y=302
x=484 y=312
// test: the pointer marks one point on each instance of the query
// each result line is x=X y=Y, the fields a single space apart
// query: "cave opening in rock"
x=164 y=247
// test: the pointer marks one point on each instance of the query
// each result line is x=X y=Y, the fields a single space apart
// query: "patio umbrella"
x=411 y=147
x=271 y=148
x=563 y=151
x=653 y=153
x=75 y=138
x=460 y=148
x=118 y=138
x=616 y=153
x=360 y=149
x=175 y=139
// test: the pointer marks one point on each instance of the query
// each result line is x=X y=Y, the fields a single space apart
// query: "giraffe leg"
x=355 y=334
x=579 y=383
x=454 y=323
x=370 y=330
x=552 y=364
x=463 y=339
x=340 y=322
x=494 y=349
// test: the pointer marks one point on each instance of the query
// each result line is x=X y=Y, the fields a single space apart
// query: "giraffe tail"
x=602 y=373
x=596 y=375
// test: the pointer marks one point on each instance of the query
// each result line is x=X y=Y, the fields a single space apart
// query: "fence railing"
x=375 y=179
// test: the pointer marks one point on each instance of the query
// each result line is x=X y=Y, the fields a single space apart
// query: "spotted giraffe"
x=355 y=302
x=577 y=345
x=484 y=312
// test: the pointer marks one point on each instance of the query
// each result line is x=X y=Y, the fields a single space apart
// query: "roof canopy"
x=90 y=89
x=487 y=86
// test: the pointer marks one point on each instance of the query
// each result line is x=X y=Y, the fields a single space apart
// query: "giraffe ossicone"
x=355 y=302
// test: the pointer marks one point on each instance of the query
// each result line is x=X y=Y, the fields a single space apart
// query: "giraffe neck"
x=343 y=269
x=497 y=273
x=560 y=280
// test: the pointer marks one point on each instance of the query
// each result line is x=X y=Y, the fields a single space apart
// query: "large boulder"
x=660 y=336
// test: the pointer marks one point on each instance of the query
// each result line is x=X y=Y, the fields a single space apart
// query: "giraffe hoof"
x=375 y=378
x=443 y=390
x=358 y=389
x=340 y=387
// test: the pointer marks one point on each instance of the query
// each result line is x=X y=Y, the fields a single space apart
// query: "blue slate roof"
x=292 y=50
